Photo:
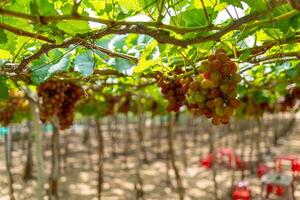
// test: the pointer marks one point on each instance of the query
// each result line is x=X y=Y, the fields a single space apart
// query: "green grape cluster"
x=213 y=92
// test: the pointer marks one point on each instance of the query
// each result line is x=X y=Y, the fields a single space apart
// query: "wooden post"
x=184 y=145
x=54 y=176
x=101 y=157
x=112 y=137
x=159 y=133
x=38 y=147
x=127 y=139
x=170 y=132
x=244 y=142
x=138 y=185
x=258 y=139
x=29 y=163
x=7 y=146
x=252 y=144
x=214 y=169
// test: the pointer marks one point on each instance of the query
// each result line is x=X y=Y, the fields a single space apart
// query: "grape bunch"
x=14 y=103
x=111 y=101
x=59 y=98
x=125 y=103
x=66 y=112
x=51 y=94
x=6 y=115
x=212 y=92
x=173 y=90
x=289 y=101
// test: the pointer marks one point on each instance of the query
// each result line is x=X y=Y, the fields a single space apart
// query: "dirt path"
x=79 y=181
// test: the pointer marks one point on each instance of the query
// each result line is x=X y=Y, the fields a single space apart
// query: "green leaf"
x=120 y=64
x=260 y=96
x=61 y=66
x=84 y=63
x=291 y=72
x=67 y=9
x=133 y=5
x=233 y=2
x=3 y=88
x=3 y=37
x=34 y=8
x=42 y=72
x=117 y=43
x=281 y=87
x=245 y=55
x=74 y=27
x=192 y=18
x=241 y=90
x=256 y=4
x=4 y=54
x=295 y=22
x=144 y=63
x=46 y=8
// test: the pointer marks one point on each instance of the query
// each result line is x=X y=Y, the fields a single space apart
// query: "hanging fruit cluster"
x=112 y=102
x=290 y=99
x=252 y=108
x=14 y=103
x=173 y=90
x=212 y=92
x=59 y=98
x=125 y=103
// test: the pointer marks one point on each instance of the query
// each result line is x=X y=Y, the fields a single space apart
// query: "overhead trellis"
x=85 y=39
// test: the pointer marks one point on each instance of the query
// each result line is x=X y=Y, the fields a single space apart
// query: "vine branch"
x=25 y=33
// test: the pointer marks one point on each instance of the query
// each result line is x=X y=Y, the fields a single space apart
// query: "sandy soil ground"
x=78 y=180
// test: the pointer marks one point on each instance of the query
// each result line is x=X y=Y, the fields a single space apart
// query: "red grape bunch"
x=111 y=102
x=58 y=98
x=125 y=103
x=289 y=101
x=212 y=92
x=173 y=90
x=66 y=112
x=14 y=102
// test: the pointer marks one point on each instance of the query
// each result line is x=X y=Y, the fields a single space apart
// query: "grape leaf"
x=73 y=27
x=3 y=37
x=84 y=63
x=41 y=72
x=3 y=88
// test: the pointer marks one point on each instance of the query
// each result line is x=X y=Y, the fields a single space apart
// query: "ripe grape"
x=175 y=90
x=58 y=98
x=214 y=88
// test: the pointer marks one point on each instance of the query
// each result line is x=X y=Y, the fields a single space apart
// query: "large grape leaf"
x=41 y=72
x=3 y=36
x=120 y=64
x=133 y=5
x=257 y=4
x=233 y=2
x=84 y=63
x=146 y=59
x=74 y=27
x=192 y=18
x=46 y=7
x=4 y=54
